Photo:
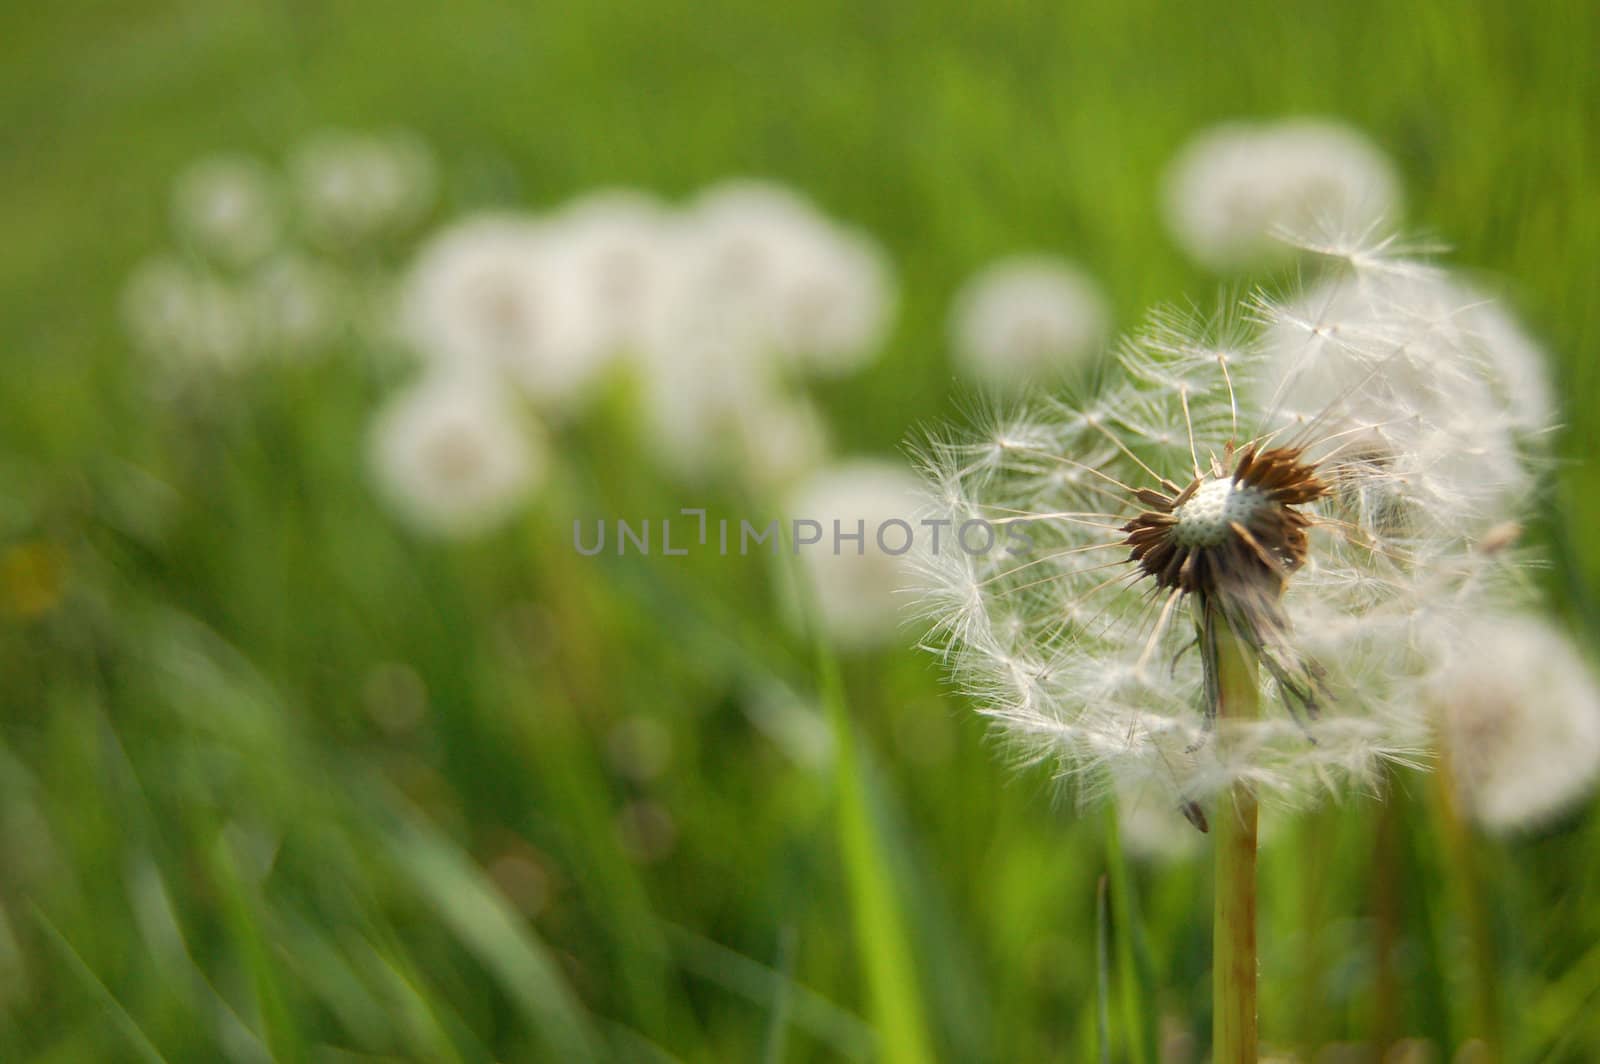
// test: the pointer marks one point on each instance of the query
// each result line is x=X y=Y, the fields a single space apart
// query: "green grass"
x=208 y=847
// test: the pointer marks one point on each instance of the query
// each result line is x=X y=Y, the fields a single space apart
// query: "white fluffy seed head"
x=1085 y=660
x=1435 y=385
x=353 y=187
x=492 y=294
x=452 y=458
x=297 y=306
x=796 y=286
x=1236 y=186
x=618 y=244
x=1024 y=319
x=229 y=209
x=1519 y=715
x=856 y=585
x=185 y=319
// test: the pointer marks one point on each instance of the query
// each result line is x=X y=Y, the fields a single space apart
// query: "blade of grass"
x=886 y=950
x=1102 y=962
x=842 y=1031
x=1135 y=975
x=782 y=997
x=137 y=1040
x=501 y=941
x=241 y=909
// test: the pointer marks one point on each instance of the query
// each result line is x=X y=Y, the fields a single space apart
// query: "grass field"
x=279 y=780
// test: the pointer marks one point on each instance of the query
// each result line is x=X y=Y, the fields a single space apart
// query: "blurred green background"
x=223 y=840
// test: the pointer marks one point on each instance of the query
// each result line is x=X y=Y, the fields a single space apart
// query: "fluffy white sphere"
x=451 y=457
x=618 y=245
x=493 y=294
x=1235 y=187
x=296 y=305
x=228 y=207
x=184 y=318
x=352 y=187
x=1520 y=719
x=858 y=593
x=761 y=259
x=1024 y=318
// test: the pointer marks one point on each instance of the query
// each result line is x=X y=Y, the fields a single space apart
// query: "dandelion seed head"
x=296 y=305
x=857 y=585
x=832 y=304
x=1522 y=753
x=451 y=458
x=228 y=207
x=185 y=319
x=492 y=294
x=1330 y=535
x=1024 y=319
x=618 y=243
x=1233 y=187
x=352 y=187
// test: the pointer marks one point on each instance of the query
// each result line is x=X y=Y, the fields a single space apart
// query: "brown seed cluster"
x=1230 y=537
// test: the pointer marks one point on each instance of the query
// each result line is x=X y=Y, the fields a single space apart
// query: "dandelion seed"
x=1024 y=319
x=1235 y=186
x=1520 y=720
x=451 y=458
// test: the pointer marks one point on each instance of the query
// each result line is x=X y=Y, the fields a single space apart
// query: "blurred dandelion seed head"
x=229 y=208
x=452 y=458
x=1521 y=753
x=1024 y=318
x=1233 y=188
x=858 y=585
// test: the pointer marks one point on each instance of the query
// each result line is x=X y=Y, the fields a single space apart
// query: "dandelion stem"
x=1233 y=965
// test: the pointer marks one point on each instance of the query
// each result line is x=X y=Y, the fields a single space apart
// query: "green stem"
x=1466 y=875
x=1234 y=930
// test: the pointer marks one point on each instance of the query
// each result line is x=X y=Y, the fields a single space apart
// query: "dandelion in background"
x=492 y=294
x=352 y=188
x=229 y=209
x=1519 y=721
x=832 y=307
x=185 y=319
x=619 y=244
x=712 y=406
x=297 y=305
x=767 y=265
x=1236 y=186
x=1025 y=319
x=858 y=584
x=451 y=457
x=736 y=242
